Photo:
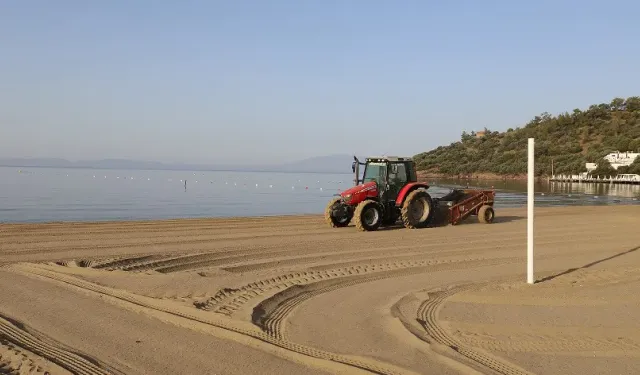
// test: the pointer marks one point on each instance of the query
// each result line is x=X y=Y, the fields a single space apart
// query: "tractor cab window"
x=375 y=172
x=398 y=173
x=397 y=177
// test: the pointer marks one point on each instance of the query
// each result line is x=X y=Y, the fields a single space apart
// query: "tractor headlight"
x=347 y=198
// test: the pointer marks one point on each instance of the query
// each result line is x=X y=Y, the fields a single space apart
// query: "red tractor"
x=389 y=190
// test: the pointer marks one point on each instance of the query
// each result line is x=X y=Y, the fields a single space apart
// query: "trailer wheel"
x=417 y=209
x=368 y=216
x=486 y=214
x=336 y=214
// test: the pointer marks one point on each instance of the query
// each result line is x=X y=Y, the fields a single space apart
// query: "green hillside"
x=569 y=139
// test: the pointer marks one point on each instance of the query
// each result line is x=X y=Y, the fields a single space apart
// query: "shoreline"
x=616 y=201
x=479 y=177
x=278 y=217
x=168 y=220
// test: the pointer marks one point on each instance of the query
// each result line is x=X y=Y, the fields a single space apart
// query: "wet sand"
x=289 y=295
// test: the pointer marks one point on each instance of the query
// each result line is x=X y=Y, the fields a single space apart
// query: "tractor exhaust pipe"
x=355 y=167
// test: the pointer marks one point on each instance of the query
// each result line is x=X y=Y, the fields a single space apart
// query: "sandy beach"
x=289 y=295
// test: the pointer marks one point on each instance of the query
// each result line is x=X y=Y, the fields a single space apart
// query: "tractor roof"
x=382 y=159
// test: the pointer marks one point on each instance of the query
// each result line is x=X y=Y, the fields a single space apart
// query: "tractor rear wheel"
x=417 y=209
x=368 y=215
x=486 y=214
x=337 y=214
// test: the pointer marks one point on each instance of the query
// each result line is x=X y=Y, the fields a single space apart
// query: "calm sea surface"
x=49 y=194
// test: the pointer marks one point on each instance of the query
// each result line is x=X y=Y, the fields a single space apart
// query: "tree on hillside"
x=617 y=104
x=604 y=169
x=634 y=168
x=568 y=139
x=632 y=104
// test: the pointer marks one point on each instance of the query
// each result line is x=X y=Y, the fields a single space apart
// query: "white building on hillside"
x=591 y=166
x=621 y=159
x=616 y=159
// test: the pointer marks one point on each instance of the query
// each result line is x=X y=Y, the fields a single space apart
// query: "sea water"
x=56 y=194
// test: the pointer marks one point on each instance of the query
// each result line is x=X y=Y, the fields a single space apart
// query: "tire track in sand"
x=368 y=364
x=174 y=262
x=16 y=333
x=177 y=262
x=414 y=252
x=15 y=360
x=270 y=314
x=427 y=316
x=233 y=258
x=229 y=300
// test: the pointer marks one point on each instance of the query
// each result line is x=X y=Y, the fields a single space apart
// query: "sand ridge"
x=27 y=352
x=15 y=360
x=338 y=300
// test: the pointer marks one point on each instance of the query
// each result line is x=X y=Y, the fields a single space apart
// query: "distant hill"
x=321 y=164
x=569 y=140
x=36 y=162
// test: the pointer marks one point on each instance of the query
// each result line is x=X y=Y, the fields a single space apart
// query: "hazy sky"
x=265 y=81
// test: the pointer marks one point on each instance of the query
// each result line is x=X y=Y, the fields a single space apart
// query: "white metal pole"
x=530 y=197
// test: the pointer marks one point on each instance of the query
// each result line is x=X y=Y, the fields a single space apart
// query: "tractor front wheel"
x=337 y=214
x=417 y=209
x=368 y=215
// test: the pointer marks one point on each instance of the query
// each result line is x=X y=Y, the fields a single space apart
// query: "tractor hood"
x=359 y=188
x=358 y=193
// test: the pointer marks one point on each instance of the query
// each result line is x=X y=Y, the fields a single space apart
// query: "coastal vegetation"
x=564 y=144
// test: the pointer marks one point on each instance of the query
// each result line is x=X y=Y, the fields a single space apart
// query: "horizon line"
x=250 y=170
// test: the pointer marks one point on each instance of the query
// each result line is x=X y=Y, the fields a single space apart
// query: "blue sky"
x=267 y=81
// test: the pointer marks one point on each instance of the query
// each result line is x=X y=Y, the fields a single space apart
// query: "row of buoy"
x=270 y=186
x=227 y=183
x=182 y=180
